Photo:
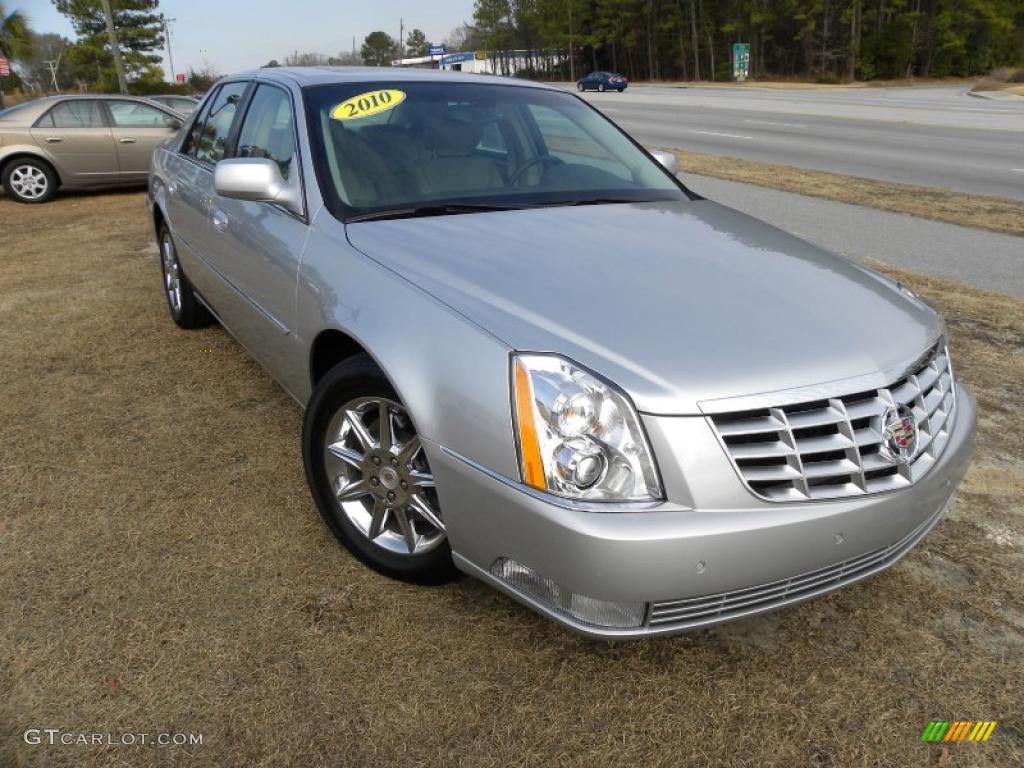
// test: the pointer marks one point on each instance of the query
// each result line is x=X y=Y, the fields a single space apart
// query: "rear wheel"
x=28 y=180
x=621 y=90
x=186 y=310
x=370 y=478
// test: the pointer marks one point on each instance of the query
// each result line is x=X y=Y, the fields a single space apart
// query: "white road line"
x=772 y=122
x=726 y=135
x=1017 y=170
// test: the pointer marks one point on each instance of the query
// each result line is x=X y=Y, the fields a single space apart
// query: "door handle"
x=54 y=139
x=220 y=221
x=127 y=140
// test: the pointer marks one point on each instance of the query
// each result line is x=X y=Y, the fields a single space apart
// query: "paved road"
x=983 y=259
x=932 y=136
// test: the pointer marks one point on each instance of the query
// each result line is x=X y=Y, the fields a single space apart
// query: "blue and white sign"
x=438 y=50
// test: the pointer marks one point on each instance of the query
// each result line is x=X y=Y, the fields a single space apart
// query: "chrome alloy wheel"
x=172 y=272
x=28 y=182
x=380 y=477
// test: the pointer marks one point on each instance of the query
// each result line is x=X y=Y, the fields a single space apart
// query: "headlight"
x=579 y=436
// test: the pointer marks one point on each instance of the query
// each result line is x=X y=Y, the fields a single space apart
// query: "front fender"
x=451 y=374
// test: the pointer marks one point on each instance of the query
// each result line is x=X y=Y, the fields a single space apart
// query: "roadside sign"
x=438 y=50
x=740 y=61
x=180 y=77
x=5 y=68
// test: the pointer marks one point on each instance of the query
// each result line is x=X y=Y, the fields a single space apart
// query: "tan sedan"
x=79 y=142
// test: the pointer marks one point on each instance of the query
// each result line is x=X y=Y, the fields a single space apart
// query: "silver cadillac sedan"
x=526 y=351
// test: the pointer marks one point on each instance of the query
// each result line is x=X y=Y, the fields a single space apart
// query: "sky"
x=232 y=35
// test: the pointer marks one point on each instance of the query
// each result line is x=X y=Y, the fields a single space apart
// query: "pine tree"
x=139 y=31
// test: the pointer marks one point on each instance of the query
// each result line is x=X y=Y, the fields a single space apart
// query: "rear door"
x=76 y=134
x=257 y=247
x=137 y=128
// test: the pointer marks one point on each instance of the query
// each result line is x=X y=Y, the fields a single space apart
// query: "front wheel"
x=600 y=87
x=186 y=310
x=579 y=86
x=370 y=478
x=30 y=181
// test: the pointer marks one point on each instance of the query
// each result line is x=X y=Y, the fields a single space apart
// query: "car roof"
x=306 y=76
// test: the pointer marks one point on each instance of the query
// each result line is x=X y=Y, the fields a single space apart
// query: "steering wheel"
x=517 y=174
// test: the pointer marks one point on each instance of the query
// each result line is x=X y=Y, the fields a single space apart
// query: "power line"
x=54 y=65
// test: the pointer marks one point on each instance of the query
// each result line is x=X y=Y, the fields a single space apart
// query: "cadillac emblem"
x=899 y=434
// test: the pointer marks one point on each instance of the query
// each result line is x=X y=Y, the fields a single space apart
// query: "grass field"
x=998 y=214
x=164 y=570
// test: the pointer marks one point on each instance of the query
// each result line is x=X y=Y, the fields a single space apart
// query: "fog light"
x=586 y=610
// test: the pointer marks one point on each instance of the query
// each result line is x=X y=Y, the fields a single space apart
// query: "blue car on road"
x=602 y=81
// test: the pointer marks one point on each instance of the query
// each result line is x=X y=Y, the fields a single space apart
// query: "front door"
x=258 y=246
x=75 y=133
x=137 y=128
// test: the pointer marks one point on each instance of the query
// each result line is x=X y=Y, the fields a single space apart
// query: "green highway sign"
x=740 y=61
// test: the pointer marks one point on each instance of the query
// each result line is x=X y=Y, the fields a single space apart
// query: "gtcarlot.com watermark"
x=58 y=737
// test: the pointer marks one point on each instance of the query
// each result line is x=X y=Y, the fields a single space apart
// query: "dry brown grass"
x=157 y=541
x=1005 y=79
x=995 y=213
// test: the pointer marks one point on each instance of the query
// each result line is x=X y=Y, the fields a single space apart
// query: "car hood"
x=678 y=303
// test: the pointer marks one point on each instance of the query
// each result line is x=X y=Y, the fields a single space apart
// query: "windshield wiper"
x=418 y=211
x=596 y=201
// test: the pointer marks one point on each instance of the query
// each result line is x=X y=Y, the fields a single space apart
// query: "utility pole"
x=401 y=38
x=572 y=59
x=167 y=41
x=112 y=34
x=54 y=66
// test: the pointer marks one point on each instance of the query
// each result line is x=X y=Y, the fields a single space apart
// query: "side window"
x=84 y=113
x=269 y=128
x=129 y=114
x=570 y=143
x=491 y=140
x=212 y=136
x=188 y=147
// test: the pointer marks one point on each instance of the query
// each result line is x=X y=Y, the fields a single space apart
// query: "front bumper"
x=712 y=552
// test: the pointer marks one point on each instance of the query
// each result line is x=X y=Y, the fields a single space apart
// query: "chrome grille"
x=830 y=448
x=709 y=609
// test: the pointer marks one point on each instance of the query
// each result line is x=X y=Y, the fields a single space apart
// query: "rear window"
x=83 y=113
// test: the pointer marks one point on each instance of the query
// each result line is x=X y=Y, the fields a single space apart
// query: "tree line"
x=826 y=40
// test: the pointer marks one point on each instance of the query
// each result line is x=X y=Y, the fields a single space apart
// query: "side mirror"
x=667 y=160
x=256 y=179
x=173 y=123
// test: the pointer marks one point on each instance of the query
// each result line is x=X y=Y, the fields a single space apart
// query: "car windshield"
x=442 y=147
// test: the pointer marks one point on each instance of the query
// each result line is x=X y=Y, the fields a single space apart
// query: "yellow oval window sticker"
x=369 y=103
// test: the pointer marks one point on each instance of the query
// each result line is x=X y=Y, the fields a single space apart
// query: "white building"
x=503 y=62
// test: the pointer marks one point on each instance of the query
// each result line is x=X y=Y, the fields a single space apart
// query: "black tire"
x=579 y=87
x=620 y=90
x=189 y=312
x=359 y=377
x=600 y=87
x=46 y=177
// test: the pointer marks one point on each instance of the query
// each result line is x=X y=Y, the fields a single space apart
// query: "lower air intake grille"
x=707 y=609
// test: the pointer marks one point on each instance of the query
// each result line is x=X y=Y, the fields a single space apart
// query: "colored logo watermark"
x=958 y=730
